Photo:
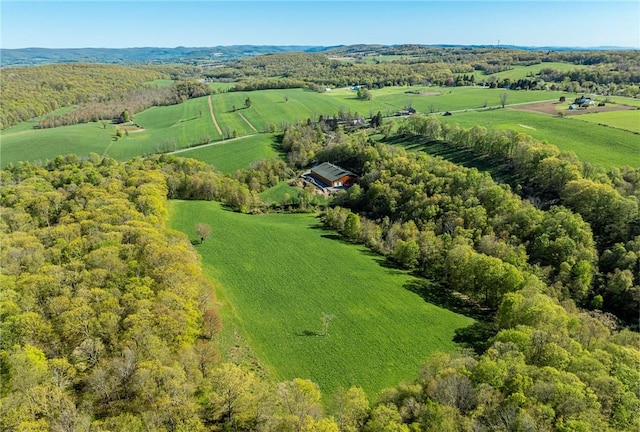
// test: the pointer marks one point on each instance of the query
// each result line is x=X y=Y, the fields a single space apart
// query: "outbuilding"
x=332 y=175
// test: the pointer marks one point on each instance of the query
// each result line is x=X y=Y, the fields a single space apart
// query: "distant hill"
x=144 y=55
x=216 y=54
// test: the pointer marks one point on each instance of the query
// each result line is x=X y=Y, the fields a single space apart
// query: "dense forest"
x=132 y=102
x=100 y=91
x=35 y=91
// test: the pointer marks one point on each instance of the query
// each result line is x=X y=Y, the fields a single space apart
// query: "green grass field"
x=165 y=128
x=276 y=274
x=622 y=100
x=229 y=156
x=626 y=120
x=159 y=83
x=277 y=193
x=23 y=142
x=518 y=72
x=601 y=145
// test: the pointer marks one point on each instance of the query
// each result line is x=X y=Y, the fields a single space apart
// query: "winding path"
x=213 y=118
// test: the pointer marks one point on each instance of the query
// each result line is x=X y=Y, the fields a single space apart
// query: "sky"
x=205 y=23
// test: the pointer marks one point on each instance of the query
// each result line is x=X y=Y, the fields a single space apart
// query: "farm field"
x=626 y=120
x=591 y=142
x=23 y=142
x=521 y=72
x=623 y=100
x=232 y=155
x=275 y=275
x=181 y=126
x=163 y=129
x=270 y=107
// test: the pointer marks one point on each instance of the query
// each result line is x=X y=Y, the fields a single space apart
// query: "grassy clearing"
x=626 y=120
x=520 y=72
x=279 y=192
x=159 y=83
x=622 y=100
x=233 y=155
x=591 y=142
x=220 y=86
x=276 y=274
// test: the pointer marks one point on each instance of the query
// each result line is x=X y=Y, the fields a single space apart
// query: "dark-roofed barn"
x=333 y=175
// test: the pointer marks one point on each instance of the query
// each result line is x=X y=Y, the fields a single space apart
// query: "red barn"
x=333 y=175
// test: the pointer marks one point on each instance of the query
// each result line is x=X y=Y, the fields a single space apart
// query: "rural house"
x=332 y=175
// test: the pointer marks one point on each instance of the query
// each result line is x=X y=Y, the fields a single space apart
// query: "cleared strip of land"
x=213 y=117
x=248 y=122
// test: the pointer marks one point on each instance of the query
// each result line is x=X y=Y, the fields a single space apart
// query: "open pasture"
x=278 y=193
x=590 y=142
x=291 y=105
x=275 y=275
x=628 y=120
x=165 y=129
x=232 y=155
x=24 y=143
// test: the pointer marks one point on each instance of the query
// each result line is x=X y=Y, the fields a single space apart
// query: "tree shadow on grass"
x=477 y=336
x=392 y=266
x=308 y=333
x=438 y=295
x=474 y=336
x=333 y=237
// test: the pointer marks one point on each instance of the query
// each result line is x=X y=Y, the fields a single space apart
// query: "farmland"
x=179 y=126
x=625 y=120
x=275 y=276
x=597 y=144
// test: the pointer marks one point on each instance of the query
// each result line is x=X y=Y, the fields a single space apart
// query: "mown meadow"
x=625 y=120
x=276 y=275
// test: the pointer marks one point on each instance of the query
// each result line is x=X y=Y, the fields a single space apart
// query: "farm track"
x=211 y=144
x=213 y=117
x=248 y=122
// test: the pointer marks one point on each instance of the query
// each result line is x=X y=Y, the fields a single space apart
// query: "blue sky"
x=118 y=24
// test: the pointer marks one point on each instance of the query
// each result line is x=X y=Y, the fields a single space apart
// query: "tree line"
x=436 y=66
x=606 y=199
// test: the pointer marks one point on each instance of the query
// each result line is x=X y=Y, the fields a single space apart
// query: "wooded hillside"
x=35 y=91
